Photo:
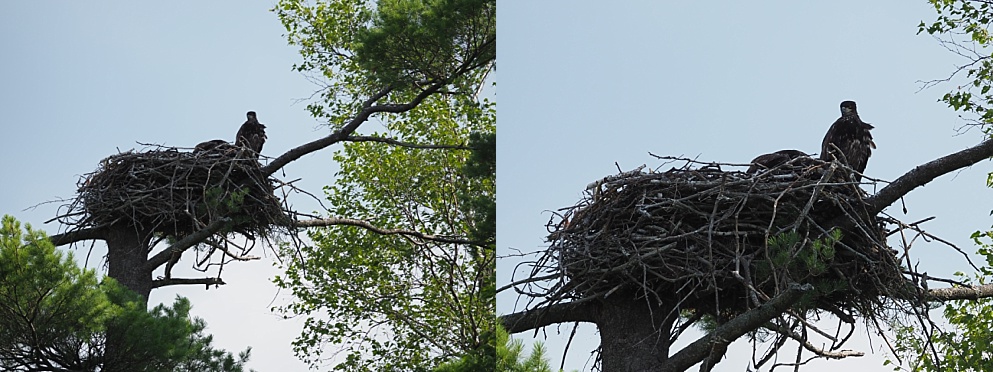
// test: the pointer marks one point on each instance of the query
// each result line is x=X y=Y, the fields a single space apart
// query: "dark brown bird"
x=251 y=135
x=778 y=158
x=217 y=145
x=849 y=141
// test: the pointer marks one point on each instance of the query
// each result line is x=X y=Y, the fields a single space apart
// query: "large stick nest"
x=177 y=193
x=722 y=242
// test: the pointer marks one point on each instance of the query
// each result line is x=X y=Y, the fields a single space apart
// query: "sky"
x=590 y=86
x=80 y=81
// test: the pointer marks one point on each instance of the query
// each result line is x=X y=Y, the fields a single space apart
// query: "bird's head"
x=848 y=108
x=251 y=115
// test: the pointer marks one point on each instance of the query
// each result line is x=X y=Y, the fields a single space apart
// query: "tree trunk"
x=634 y=334
x=127 y=252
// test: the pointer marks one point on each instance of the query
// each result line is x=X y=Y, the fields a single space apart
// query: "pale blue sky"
x=590 y=83
x=81 y=80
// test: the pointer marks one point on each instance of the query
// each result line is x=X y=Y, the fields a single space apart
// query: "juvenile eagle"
x=769 y=161
x=251 y=135
x=217 y=145
x=849 y=140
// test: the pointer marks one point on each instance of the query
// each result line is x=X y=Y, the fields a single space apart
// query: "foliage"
x=507 y=357
x=431 y=301
x=967 y=346
x=509 y=354
x=55 y=315
x=364 y=49
x=482 y=207
x=415 y=42
x=968 y=342
x=50 y=309
x=785 y=251
x=958 y=19
x=389 y=302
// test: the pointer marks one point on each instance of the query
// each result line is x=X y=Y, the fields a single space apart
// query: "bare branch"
x=185 y=243
x=404 y=144
x=186 y=281
x=543 y=316
x=228 y=253
x=814 y=349
x=347 y=130
x=332 y=221
x=730 y=331
x=960 y=293
x=922 y=174
x=78 y=235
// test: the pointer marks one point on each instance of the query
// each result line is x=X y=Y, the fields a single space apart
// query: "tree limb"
x=840 y=354
x=345 y=131
x=403 y=144
x=70 y=237
x=960 y=293
x=543 y=316
x=332 y=221
x=922 y=174
x=733 y=329
x=185 y=243
x=186 y=281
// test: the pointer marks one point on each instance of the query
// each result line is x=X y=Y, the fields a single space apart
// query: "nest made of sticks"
x=722 y=242
x=175 y=193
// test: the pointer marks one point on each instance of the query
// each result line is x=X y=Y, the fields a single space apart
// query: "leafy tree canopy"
x=392 y=302
x=963 y=28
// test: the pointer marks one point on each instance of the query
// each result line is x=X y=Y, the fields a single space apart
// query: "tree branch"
x=185 y=243
x=922 y=174
x=735 y=328
x=345 y=131
x=960 y=293
x=186 y=281
x=543 y=316
x=70 y=237
x=332 y=221
x=403 y=144
x=840 y=354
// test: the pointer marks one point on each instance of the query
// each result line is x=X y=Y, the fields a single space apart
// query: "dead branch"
x=553 y=314
x=922 y=174
x=184 y=281
x=810 y=347
x=334 y=221
x=72 y=236
x=732 y=330
x=960 y=293
x=403 y=144
x=341 y=134
x=185 y=243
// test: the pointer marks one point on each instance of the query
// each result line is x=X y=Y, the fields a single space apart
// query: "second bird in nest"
x=251 y=136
